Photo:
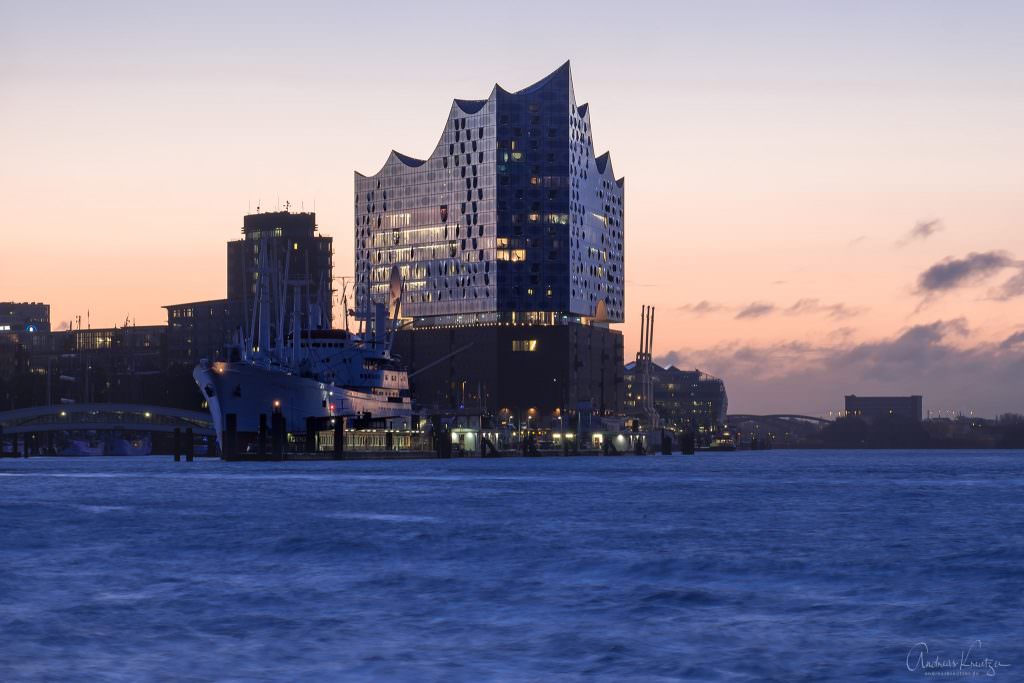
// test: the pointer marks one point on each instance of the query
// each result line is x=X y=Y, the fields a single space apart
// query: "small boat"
x=722 y=443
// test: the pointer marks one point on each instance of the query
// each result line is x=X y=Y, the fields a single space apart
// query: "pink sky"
x=772 y=156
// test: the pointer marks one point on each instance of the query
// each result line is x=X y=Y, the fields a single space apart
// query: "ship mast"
x=263 y=300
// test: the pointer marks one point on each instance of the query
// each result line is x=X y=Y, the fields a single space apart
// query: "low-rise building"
x=871 y=408
x=686 y=400
x=201 y=329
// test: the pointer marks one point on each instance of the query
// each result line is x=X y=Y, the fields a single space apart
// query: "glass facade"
x=511 y=213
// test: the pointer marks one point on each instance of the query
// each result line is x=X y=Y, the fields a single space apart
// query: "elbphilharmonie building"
x=509 y=240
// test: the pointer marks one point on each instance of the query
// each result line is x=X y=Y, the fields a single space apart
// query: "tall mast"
x=263 y=343
x=296 y=326
x=282 y=302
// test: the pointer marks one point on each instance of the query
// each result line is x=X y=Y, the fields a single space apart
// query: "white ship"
x=312 y=372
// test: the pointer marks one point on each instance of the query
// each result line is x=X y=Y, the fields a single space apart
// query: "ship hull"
x=248 y=390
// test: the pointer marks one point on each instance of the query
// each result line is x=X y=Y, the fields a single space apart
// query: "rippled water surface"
x=785 y=566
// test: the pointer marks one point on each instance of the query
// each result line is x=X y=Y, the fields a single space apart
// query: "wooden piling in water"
x=339 y=438
x=261 y=441
x=310 y=434
x=277 y=434
x=230 y=449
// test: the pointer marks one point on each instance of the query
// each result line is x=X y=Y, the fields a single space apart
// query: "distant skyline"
x=821 y=198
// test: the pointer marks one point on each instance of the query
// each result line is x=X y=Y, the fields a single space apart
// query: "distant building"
x=201 y=329
x=19 y=319
x=871 y=408
x=687 y=400
x=113 y=364
x=24 y=328
x=509 y=240
x=116 y=364
x=294 y=248
x=147 y=339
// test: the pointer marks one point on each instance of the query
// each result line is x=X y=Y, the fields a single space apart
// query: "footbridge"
x=104 y=417
x=780 y=417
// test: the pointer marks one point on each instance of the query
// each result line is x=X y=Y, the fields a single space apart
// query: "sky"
x=822 y=198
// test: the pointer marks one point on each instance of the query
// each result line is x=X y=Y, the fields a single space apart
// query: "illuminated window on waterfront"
x=514 y=255
x=524 y=345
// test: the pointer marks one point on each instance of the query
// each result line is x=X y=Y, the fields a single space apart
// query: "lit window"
x=514 y=255
x=524 y=345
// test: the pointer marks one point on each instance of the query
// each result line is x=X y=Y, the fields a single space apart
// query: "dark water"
x=804 y=566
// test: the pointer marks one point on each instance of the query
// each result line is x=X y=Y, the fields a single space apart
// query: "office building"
x=294 y=251
x=201 y=329
x=19 y=319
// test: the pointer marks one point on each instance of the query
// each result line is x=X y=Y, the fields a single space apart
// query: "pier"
x=353 y=439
